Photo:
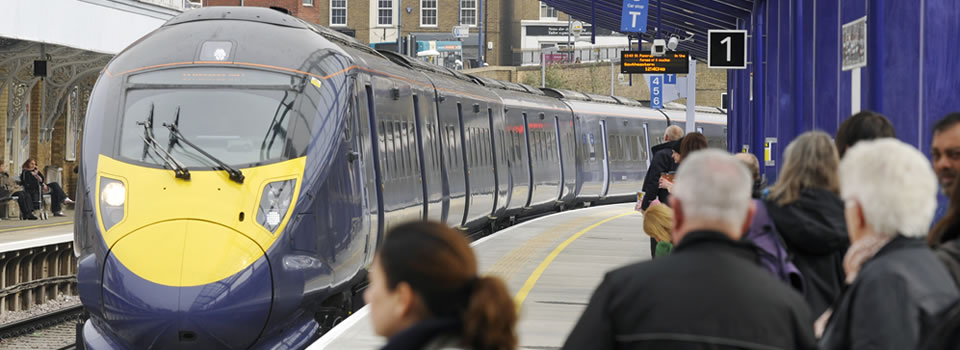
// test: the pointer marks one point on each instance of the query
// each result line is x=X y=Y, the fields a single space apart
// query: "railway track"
x=31 y=324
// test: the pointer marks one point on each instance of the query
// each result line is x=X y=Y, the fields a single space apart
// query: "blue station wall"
x=912 y=75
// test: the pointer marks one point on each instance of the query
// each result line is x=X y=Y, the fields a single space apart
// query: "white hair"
x=894 y=184
x=714 y=185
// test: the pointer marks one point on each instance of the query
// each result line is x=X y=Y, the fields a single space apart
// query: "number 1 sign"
x=727 y=49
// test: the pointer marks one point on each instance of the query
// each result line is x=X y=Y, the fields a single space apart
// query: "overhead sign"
x=673 y=62
x=727 y=49
x=854 y=47
x=670 y=79
x=546 y=30
x=461 y=31
x=634 y=17
x=656 y=91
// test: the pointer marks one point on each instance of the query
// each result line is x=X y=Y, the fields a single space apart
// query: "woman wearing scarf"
x=894 y=282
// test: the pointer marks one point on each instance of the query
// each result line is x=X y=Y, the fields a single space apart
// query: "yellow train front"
x=220 y=205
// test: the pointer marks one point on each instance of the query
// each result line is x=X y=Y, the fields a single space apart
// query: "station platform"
x=18 y=234
x=551 y=265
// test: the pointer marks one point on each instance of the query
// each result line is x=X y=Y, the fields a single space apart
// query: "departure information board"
x=641 y=62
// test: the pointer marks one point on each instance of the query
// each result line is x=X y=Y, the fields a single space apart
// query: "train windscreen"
x=241 y=124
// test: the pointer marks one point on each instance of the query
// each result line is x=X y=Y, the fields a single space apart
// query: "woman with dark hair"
x=425 y=293
x=865 y=125
x=694 y=141
x=34 y=185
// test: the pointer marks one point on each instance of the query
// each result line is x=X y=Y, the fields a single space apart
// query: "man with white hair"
x=895 y=282
x=710 y=292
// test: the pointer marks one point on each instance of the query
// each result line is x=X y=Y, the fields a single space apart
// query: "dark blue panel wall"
x=912 y=73
x=825 y=78
x=941 y=70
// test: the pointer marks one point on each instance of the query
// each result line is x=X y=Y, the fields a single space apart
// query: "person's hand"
x=666 y=184
x=46 y=189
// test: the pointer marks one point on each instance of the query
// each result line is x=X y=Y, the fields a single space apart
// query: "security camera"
x=659 y=47
x=672 y=44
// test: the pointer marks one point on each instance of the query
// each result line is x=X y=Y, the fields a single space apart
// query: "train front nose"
x=186 y=284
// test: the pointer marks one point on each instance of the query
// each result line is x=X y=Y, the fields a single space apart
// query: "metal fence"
x=33 y=274
x=563 y=55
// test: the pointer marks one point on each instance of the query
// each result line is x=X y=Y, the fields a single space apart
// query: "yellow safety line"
x=35 y=226
x=527 y=286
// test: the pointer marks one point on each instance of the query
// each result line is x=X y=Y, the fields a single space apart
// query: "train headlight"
x=113 y=195
x=276 y=200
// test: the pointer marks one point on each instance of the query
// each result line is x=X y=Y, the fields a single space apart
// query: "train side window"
x=392 y=149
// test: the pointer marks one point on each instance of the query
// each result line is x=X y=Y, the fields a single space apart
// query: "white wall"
x=73 y=23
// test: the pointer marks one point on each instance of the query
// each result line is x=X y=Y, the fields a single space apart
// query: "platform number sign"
x=656 y=91
x=727 y=49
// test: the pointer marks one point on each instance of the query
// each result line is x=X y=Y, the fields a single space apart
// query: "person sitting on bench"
x=33 y=182
x=10 y=188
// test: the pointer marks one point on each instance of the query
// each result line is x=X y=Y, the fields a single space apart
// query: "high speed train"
x=240 y=168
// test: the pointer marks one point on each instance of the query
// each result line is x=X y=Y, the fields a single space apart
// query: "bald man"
x=661 y=162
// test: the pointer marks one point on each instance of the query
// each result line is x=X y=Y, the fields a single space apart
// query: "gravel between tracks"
x=52 y=305
x=48 y=338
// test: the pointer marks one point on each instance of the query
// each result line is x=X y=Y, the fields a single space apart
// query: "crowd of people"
x=848 y=249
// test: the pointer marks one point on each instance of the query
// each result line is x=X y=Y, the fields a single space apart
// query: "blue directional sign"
x=670 y=79
x=656 y=91
x=634 y=17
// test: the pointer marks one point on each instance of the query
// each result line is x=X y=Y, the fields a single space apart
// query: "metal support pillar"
x=692 y=97
x=759 y=9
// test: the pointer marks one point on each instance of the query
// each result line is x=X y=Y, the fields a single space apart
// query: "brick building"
x=497 y=27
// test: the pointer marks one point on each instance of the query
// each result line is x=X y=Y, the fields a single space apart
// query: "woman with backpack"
x=807 y=213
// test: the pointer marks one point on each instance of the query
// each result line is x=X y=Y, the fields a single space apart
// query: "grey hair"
x=714 y=185
x=894 y=184
x=810 y=161
x=675 y=132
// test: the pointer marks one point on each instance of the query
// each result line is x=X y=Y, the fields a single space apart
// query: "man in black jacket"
x=709 y=293
x=661 y=162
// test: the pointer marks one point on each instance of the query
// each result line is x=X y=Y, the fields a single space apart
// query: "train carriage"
x=240 y=167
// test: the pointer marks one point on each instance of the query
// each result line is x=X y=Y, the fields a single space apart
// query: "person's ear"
x=751 y=212
x=405 y=297
x=678 y=218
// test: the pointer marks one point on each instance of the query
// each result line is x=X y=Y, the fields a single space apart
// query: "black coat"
x=949 y=255
x=815 y=232
x=710 y=293
x=30 y=182
x=662 y=162
x=895 y=296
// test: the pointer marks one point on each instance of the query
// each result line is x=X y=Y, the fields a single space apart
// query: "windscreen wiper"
x=235 y=174
x=149 y=142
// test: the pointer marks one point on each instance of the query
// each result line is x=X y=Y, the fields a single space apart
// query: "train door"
x=423 y=163
x=526 y=144
x=462 y=139
x=646 y=138
x=492 y=150
x=373 y=178
x=559 y=138
x=606 y=159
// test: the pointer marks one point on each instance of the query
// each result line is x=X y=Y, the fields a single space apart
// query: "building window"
x=547 y=12
x=307 y=2
x=428 y=13
x=338 y=13
x=384 y=12
x=468 y=12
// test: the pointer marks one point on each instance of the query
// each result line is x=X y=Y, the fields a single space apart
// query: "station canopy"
x=677 y=17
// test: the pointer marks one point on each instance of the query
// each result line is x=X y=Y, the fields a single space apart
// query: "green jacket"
x=663 y=248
